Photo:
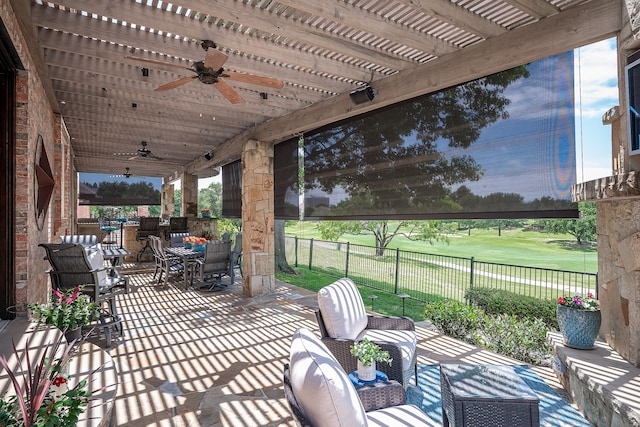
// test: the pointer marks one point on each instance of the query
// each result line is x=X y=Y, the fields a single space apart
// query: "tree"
x=384 y=231
x=583 y=228
x=425 y=138
x=211 y=198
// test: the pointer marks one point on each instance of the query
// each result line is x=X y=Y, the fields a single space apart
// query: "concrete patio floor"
x=193 y=358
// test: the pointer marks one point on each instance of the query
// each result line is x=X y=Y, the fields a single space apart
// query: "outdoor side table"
x=486 y=395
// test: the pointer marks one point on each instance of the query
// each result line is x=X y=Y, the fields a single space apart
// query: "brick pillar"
x=168 y=201
x=258 y=242
x=189 y=195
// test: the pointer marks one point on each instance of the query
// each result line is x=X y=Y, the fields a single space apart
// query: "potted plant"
x=368 y=354
x=206 y=213
x=67 y=311
x=43 y=395
x=579 y=320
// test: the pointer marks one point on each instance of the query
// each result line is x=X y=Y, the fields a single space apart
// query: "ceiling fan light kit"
x=211 y=71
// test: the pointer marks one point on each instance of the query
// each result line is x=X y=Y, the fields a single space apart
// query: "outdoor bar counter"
x=197 y=226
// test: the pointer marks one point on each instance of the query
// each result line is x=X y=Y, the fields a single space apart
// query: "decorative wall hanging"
x=44 y=183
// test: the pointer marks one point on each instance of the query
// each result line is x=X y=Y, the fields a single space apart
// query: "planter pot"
x=73 y=334
x=367 y=373
x=579 y=328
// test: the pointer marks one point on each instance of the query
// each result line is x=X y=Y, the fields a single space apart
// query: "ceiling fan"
x=143 y=152
x=127 y=174
x=210 y=71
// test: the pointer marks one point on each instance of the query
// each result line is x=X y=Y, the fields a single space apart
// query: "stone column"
x=258 y=242
x=189 y=195
x=168 y=201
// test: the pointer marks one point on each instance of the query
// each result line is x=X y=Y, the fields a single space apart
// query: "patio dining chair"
x=215 y=264
x=236 y=254
x=178 y=224
x=166 y=265
x=343 y=320
x=74 y=265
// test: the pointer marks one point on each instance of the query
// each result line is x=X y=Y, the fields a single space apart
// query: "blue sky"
x=596 y=91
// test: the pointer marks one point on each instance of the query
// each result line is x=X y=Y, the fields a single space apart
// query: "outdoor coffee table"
x=486 y=395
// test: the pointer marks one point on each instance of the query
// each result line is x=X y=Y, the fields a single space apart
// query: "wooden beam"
x=584 y=24
x=43 y=16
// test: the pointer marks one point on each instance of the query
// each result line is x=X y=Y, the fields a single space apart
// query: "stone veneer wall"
x=618 y=225
x=258 y=243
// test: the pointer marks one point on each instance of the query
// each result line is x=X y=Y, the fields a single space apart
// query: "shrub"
x=522 y=339
x=455 y=319
x=497 y=301
x=525 y=339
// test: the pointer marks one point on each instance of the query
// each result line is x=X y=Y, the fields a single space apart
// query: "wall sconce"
x=362 y=95
x=264 y=95
x=208 y=155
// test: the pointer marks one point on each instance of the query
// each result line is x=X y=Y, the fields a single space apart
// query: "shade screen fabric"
x=96 y=189
x=232 y=190
x=285 y=170
x=502 y=146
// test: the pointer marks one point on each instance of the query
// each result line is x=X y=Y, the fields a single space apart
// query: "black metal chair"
x=215 y=264
x=74 y=265
x=149 y=226
x=178 y=224
x=166 y=265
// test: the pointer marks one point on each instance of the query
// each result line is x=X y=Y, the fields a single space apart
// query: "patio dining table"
x=189 y=257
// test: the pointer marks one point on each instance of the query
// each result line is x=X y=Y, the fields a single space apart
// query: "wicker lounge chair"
x=320 y=393
x=343 y=320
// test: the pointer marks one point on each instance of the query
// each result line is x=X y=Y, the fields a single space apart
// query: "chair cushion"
x=96 y=260
x=325 y=394
x=403 y=415
x=342 y=309
x=406 y=340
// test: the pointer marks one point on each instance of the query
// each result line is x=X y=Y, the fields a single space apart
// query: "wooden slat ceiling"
x=321 y=50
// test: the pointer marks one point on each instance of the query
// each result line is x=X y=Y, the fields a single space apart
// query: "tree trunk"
x=282 y=265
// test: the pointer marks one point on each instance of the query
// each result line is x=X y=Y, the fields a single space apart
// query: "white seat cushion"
x=406 y=340
x=342 y=309
x=403 y=415
x=96 y=260
x=323 y=389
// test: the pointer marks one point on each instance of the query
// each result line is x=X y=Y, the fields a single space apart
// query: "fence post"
x=296 y=250
x=471 y=275
x=397 y=269
x=310 y=254
x=346 y=263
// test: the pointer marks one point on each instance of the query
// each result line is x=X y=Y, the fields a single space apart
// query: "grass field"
x=515 y=246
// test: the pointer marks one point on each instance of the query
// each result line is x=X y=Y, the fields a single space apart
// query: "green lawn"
x=516 y=247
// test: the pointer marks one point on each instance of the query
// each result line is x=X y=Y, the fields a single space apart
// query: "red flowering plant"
x=590 y=303
x=67 y=310
x=43 y=393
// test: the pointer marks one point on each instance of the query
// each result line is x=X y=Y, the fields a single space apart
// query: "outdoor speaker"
x=364 y=94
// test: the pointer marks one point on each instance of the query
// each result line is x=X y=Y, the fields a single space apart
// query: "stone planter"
x=366 y=373
x=579 y=328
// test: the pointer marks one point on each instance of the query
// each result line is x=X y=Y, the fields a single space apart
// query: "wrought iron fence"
x=432 y=277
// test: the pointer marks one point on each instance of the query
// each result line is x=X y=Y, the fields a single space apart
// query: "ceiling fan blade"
x=215 y=59
x=153 y=156
x=228 y=92
x=156 y=62
x=133 y=158
x=254 y=80
x=174 y=84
